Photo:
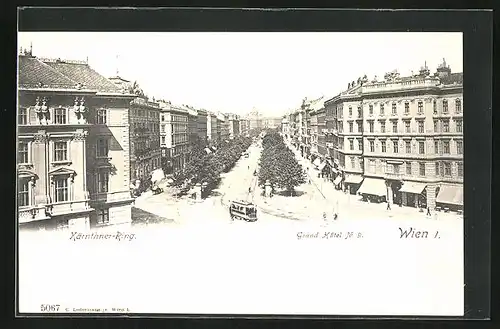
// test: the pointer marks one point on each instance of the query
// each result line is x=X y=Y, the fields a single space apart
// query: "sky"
x=236 y=72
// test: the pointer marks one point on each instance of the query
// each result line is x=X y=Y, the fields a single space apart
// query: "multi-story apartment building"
x=402 y=135
x=73 y=146
x=145 y=151
x=212 y=128
x=255 y=120
x=201 y=120
x=223 y=127
x=285 y=127
x=174 y=134
x=244 y=126
x=234 y=125
x=192 y=123
x=270 y=122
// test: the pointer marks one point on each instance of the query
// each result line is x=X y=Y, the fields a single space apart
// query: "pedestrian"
x=429 y=211
x=388 y=206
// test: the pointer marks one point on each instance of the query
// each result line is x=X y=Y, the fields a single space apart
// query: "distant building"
x=213 y=131
x=145 y=152
x=223 y=127
x=244 y=127
x=174 y=133
x=234 y=125
x=201 y=120
x=73 y=146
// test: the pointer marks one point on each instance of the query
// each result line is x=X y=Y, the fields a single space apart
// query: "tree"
x=278 y=164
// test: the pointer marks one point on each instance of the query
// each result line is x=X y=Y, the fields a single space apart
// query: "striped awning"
x=373 y=186
x=451 y=194
x=413 y=187
x=353 y=179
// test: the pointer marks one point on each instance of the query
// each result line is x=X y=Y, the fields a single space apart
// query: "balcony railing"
x=393 y=176
x=28 y=214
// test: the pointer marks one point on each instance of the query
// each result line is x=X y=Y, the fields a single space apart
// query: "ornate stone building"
x=401 y=139
x=73 y=146
x=174 y=136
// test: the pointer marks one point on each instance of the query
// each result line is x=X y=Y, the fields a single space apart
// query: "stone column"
x=268 y=188
x=431 y=196
x=198 y=191
x=390 y=195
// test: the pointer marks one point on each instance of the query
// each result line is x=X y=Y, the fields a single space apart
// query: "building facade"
x=145 y=151
x=213 y=131
x=174 y=132
x=401 y=139
x=223 y=127
x=234 y=125
x=201 y=121
x=73 y=150
x=244 y=127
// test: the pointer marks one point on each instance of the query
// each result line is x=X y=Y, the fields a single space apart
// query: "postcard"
x=225 y=173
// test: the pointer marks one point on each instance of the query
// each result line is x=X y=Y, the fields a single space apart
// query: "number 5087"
x=49 y=307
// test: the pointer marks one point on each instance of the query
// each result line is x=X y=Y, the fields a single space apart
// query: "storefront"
x=373 y=190
x=351 y=182
x=413 y=194
x=450 y=197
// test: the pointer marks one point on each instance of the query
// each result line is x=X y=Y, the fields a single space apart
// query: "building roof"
x=82 y=73
x=453 y=78
x=36 y=74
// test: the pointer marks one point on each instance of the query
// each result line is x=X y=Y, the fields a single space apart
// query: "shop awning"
x=373 y=186
x=413 y=187
x=353 y=179
x=337 y=180
x=450 y=194
x=322 y=166
x=317 y=162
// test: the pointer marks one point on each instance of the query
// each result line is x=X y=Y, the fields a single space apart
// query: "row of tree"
x=205 y=163
x=278 y=164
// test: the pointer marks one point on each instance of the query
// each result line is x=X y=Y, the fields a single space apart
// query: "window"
x=371 y=126
x=394 y=110
x=353 y=163
x=421 y=147
x=370 y=109
x=360 y=127
x=460 y=147
x=446 y=126
x=446 y=147
x=102 y=216
x=420 y=107
x=60 y=151
x=372 y=146
x=60 y=116
x=162 y=117
x=360 y=144
x=351 y=127
x=382 y=110
x=23 y=195
x=383 y=146
x=371 y=166
x=445 y=106
x=407 y=108
x=435 y=126
x=436 y=147
x=408 y=146
x=407 y=126
x=102 y=147
x=23 y=116
x=421 y=168
x=163 y=139
x=101 y=117
x=437 y=168
x=434 y=107
x=360 y=112
x=350 y=111
x=460 y=169
x=395 y=146
x=382 y=126
x=408 y=168
x=394 y=126
x=458 y=126
x=102 y=181
x=163 y=128
x=421 y=127
x=61 y=189
x=458 y=105
x=23 y=153
x=447 y=169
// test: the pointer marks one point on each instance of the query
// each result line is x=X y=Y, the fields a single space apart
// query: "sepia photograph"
x=241 y=173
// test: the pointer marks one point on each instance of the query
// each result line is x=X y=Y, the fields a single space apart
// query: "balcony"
x=393 y=176
x=32 y=213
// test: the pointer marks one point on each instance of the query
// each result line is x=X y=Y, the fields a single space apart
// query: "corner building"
x=73 y=146
x=404 y=135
